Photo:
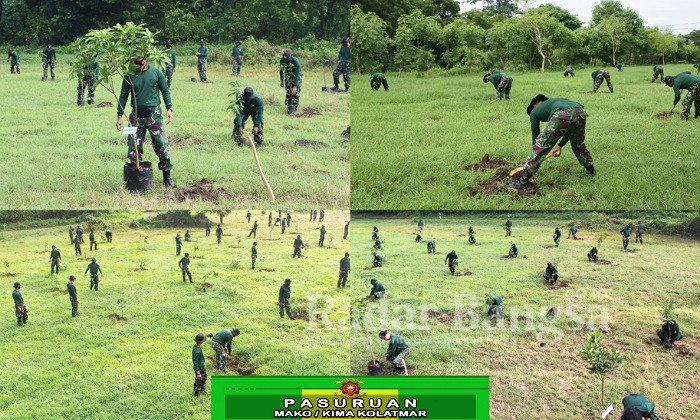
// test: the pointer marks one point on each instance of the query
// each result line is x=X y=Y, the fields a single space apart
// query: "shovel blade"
x=515 y=172
x=325 y=89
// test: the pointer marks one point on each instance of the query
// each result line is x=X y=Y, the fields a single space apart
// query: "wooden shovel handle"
x=260 y=171
x=517 y=171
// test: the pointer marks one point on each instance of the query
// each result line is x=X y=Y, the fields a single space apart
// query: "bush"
x=175 y=218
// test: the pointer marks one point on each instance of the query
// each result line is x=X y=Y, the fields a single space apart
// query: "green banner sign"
x=334 y=397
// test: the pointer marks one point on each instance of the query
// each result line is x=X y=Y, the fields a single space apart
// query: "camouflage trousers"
x=453 y=266
x=297 y=253
x=49 y=65
x=200 y=384
x=220 y=355
x=78 y=251
x=378 y=82
x=569 y=124
x=399 y=361
x=344 y=69
x=186 y=272
x=154 y=125
x=240 y=140
x=202 y=69
x=569 y=72
x=693 y=96
x=284 y=306
x=168 y=73
x=93 y=243
x=178 y=248
x=21 y=314
x=496 y=310
x=557 y=240
x=639 y=236
x=508 y=230
x=74 y=306
x=625 y=241
x=88 y=81
x=14 y=64
x=503 y=88
x=289 y=98
x=54 y=265
x=253 y=258
x=237 y=64
x=342 y=278
x=603 y=74
x=94 y=281
x=657 y=73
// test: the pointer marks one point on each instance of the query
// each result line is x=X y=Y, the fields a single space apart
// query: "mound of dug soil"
x=663 y=115
x=8 y=274
x=206 y=286
x=499 y=180
x=446 y=317
x=184 y=141
x=466 y=273
x=310 y=143
x=558 y=285
x=201 y=190
x=117 y=317
x=234 y=363
x=487 y=163
x=603 y=262
x=307 y=112
x=269 y=270
x=105 y=104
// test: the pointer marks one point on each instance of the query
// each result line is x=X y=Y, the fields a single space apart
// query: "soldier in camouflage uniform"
x=253 y=254
x=501 y=82
x=13 y=58
x=95 y=271
x=148 y=83
x=569 y=71
x=250 y=106
x=219 y=234
x=344 y=270
x=88 y=77
x=343 y=66
x=76 y=242
x=452 y=261
x=202 y=54
x=566 y=121
x=290 y=80
x=692 y=84
x=639 y=236
x=626 y=232
x=598 y=77
x=48 y=60
x=284 y=294
x=184 y=265
x=55 y=259
x=620 y=66
x=221 y=343
x=73 y=296
x=20 y=307
x=178 y=244
x=200 y=370
x=658 y=71
x=93 y=241
x=377 y=80
x=170 y=66
x=237 y=58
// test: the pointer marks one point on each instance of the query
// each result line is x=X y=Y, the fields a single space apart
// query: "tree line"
x=418 y=35
x=38 y=22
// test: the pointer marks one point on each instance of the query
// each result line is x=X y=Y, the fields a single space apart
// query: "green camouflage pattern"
x=168 y=73
x=693 y=97
x=290 y=99
x=602 y=74
x=220 y=355
x=202 y=69
x=344 y=69
x=503 y=88
x=658 y=72
x=159 y=138
x=89 y=82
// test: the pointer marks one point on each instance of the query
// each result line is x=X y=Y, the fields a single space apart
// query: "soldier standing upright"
x=284 y=295
x=200 y=370
x=237 y=58
x=73 y=296
x=219 y=234
x=343 y=66
x=290 y=80
x=346 y=229
x=322 y=236
x=20 y=307
x=640 y=232
x=254 y=254
x=76 y=243
x=13 y=58
x=207 y=227
x=178 y=244
x=509 y=227
x=202 y=54
x=254 y=230
x=93 y=241
x=48 y=60
x=184 y=265
x=55 y=259
x=94 y=269
x=171 y=65
x=344 y=270
x=298 y=245
x=626 y=232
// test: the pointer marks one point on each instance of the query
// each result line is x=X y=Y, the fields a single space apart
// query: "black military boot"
x=523 y=182
x=167 y=181
x=335 y=88
x=290 y=109
x=347 y=88
x=590 y=171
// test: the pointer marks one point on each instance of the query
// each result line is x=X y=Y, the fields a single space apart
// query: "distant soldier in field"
x=378 y=244
x=202 y=54
x=397 y=351
x=557 y=236
x=378 y=260
x=470 y=231
x=178 y=244
x=79 y=233
x=48 y=61
x=569 y=71
x=55 y=259
x=472 y=239
x=289 y=219
x=431 y=246
x=170 y=66
x=269 y=220
x=620 y=66
x=377 y=80
x=375 y=235
x=626 y=232
x=311 y=215
x=638 y=407
x=93 y=241
x=344 y=270
x=593 y=255
x=322 y=236
x=207 y=228
x=290 y=80
x=343 y=67
x=321 y=215
x=70 y=233
x=692 y=84
x=108 y=235
x=513 y=251
x=188 y=236
x=254 y=230
x=221 y=342
x=284 y=225
x=495 y=310
x=669 y=333
x=419 y=238
x=551 y=274
x=284 y=295
x=95 y=271
x=598 y=76
x=566 y=121
x=248 y=215
x=237 y=58
x=639 y=236
x=658 y=71
x=219 y=234
x=87 y=78
x=184 y=265
x=199 y=365
x=76 y=244
x=452 y=261
x=572 y=232
x=346 y=230
x=509 y=227
x=377 y=291
x=251 y=106
x=148 y=83
x=421 y=225
x=72 y=296
x=20 y=308
x=13 y=58
x=253 y=255
x=315 y=214
x=298 y=246
x=501 y=81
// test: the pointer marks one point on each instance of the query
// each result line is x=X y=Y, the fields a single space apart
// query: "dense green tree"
x=562 y=15
x=662 y=43
x=505 y=8
x=461 y=42
x=369 y=37
x=508 y=42
x=546 y=34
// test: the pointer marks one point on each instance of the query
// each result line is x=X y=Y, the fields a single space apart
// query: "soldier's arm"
x=174 y=60
x=281 y=71
x=163 y=86
x=677 y=92
x=100 y=269
x=260 y=105
x=86 y=270
x=534 y=126
x=297 y=71
x=123 y=96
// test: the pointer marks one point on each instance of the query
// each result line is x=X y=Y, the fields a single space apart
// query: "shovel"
x=517 y=171
x=260 y=171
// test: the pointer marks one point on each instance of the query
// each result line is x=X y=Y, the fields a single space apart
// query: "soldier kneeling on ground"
x=397 y=351
x=551 y=274
x=378 y=260
x=495 y=303
x=377 y=244
x=377 y=291
x=419 y=238
x=513 y=252
x=638 y=407
x=669 y=333
x=431 y=247
x=593 y=255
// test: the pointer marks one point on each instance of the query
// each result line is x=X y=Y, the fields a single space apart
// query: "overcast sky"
x=680 y=16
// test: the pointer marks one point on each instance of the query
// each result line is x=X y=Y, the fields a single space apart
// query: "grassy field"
x=529 y=379
x=412 y=144
x=96 y=367
x=72 y=158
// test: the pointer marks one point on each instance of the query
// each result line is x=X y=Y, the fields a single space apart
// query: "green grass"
x=413 y=142
x=60 y=156
x=529 y=381
x=95 y=367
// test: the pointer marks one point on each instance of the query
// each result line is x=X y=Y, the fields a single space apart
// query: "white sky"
x=680 y=16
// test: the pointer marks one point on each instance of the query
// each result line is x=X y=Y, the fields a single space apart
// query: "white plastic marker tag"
x=129 y=131
x=607 y=412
